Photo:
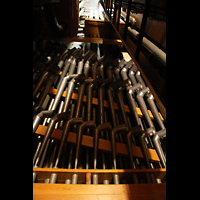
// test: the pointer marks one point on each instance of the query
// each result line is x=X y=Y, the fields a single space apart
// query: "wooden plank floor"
x=99 y=192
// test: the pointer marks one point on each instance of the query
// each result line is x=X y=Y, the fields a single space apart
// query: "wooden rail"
x=103 y=174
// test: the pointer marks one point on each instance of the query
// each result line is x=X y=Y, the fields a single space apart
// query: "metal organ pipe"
x=156 y=138
x=107 y=79
x=151 y=46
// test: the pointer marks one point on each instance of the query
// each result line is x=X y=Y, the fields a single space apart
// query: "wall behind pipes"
x=154 y=29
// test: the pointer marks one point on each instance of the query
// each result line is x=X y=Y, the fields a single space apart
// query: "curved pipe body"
x=129 y=95
x=90 y=88
x=50 y=79
x=72 y=66
x=121 y=105
x=101 y=92
x=40 y=82
x=65 y=134
x=135 y=130
x=132 y=106
x=132 y=73
x=116 y=129
x=64 y=72
x=111 y=105
x=143 y=106
x=80 y=67
x=87 y=124
x=154 y=110
x=90 y=60
x=46 y=71
x=61 y=89
x=75 y=52
x=49 y=132
x=41 y=115
x=81 y=90
x=100 y=127
x=156 y=141
x=162 y=132
x=86 y=69
x=71 y=86
x=140 y=80
x=50 y=74
x=70 y=89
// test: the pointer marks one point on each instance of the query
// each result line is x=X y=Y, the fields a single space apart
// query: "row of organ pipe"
x=100 y=72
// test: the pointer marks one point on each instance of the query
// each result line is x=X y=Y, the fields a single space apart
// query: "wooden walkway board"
x=104 y=145
x=92 y=192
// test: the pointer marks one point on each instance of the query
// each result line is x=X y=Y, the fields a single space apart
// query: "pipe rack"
x=112 y=92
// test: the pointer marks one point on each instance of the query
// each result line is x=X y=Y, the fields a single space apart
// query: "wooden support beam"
x=63 y=174
x=104 y=145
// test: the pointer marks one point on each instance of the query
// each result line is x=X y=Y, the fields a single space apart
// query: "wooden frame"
x=84 y=190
